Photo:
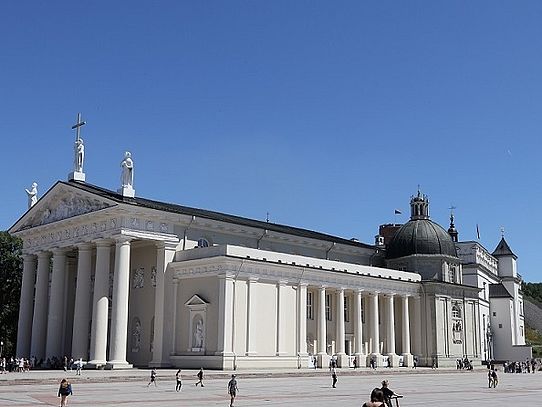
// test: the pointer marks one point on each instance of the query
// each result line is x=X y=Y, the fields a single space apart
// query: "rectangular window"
x=310 y=299
x=500 y=325
x=494 y=314
x=328 y=307
x=346 y=309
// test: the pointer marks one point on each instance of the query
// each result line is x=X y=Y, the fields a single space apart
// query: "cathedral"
x=121 y=280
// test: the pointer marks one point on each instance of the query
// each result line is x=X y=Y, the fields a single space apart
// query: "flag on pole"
x=397 y=212
x=477 y=232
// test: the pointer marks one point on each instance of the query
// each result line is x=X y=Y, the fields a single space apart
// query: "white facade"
x=138 y=282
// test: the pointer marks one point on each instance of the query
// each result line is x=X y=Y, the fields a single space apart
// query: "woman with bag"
x=64 y=391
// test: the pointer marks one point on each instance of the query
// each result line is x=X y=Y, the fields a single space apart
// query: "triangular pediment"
x=195 y=300
x=62 y=201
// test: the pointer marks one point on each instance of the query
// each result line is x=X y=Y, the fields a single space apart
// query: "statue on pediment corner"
x=32 y=195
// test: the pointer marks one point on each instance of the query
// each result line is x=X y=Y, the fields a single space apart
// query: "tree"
x=11 y=270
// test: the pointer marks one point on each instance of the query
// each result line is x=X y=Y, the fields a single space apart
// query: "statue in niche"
x=79 y=149
x=139 y=278
x=153 y=276
x=32 y=195
x=198 y=334
x=127 y=176
x=136 y=336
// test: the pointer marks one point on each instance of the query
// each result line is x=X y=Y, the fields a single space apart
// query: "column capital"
x=85 y=246
x=44 y=255
x=252 y=279
x=123 y=240
x=28 y=257
x=389 y=295
x=322 y=287
x=282 y=283
x=302 y=284
x=103 y=242
x=59 y=251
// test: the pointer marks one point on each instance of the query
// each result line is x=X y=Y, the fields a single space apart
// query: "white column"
x=24 y=328
x=340 y=322
x=302 y=319
x=322 y=340
x=100 y=304
x=39 y=320
x=416 y=343
x=82 y=309
x=375 y=334
x=280 y=350
x=358 y=324
x=390 y=326
x=251 y=326
x=162 y=295
x=406 y=325
x=56 y=303
x=119 y=308
x=225 y=316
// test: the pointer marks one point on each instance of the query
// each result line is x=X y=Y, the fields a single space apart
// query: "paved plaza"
x=287 y=388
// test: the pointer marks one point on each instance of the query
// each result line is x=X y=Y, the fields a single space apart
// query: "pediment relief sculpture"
x=64 y=206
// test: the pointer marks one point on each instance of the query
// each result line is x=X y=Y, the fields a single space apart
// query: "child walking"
x=64 y=391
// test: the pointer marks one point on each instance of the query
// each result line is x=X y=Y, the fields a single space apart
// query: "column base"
x=281 y=353
x=322 y=360
x=251 y=353
x=95 y=365
x=393 y=360
x=408 y=360
x=374 y=360
x=342 y=360
x=361 y=359
x=118 y=364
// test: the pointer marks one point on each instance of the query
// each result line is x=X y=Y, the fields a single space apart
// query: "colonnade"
x=374 y=320
x=41 y=321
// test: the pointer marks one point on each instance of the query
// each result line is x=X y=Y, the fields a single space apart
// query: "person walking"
x=200 y=377
x=334 y=377
x=64 y=391
x=388 y=393
x=178 y=379
x=232 y=389
x=79 y=366
x=153 y=378
x=494 y=378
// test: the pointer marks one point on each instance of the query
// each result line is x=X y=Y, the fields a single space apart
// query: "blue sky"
x=325 y=114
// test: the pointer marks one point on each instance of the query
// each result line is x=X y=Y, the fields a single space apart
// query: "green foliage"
x=533 y=290
x=11 y=270
x=534 y=338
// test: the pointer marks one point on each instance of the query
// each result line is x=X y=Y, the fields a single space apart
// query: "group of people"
x=232 y=384
x=526 y=366
x=382 y=397
x=14 y=365
x=464 y=363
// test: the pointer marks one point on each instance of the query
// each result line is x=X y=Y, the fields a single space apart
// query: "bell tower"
x=419 y=206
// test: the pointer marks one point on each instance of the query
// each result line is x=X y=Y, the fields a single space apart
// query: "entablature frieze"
x=294 y=275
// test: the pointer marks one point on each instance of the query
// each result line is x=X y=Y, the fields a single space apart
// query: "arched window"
x=452 y=274
x=203 y=242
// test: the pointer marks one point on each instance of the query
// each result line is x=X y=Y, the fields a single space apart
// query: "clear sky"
x=326 y=114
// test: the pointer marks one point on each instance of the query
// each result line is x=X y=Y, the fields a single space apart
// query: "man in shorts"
x=153 y=378
x=232 y=389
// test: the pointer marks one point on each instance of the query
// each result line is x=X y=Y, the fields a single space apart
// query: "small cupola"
x=419 y=206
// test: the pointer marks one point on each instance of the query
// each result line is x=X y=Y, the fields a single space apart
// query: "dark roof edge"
x=203 y=213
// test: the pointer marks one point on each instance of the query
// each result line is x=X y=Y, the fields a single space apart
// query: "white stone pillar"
x=342 y=358
x=225 y=316
x=358 y=329
x=119 y=308
x=322 y=340
x=251 y=326
x=24 y=328
x=100 y=304
x=41 y=304
x=405 y=337
x=280 y=350
x=390 y=331
x=82 y=309
x=302 y=320
x=375 y=334
x=161 y=350
x=56 y=305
